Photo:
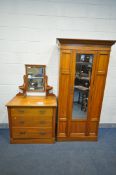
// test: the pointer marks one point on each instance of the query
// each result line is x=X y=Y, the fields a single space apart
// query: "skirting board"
x=4 y=125
x=102 y=125
x=107 y=125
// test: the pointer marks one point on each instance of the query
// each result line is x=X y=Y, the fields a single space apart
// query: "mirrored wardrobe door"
x=82 y=84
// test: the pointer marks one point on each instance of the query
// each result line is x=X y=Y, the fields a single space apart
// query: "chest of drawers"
x=32 y=119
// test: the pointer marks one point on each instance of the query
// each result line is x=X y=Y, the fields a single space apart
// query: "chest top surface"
x=32 y=101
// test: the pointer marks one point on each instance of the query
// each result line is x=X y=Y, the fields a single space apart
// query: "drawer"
x=30 y=121
x=31 y=133
x=23 y=111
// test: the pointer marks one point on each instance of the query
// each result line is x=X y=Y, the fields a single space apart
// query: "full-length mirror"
x=83 y=71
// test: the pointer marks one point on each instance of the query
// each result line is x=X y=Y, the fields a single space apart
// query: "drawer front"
x=31 y=133
x=22 y=111
x=24 y=121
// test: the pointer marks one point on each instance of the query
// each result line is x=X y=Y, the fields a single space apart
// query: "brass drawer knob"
x=22 y=133
x=42 y=112
x=21 y=122
x=42 y=133
x=21 y=111
x=42 y=122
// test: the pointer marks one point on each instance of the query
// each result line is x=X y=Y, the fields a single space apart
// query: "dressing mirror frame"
x=44 y=75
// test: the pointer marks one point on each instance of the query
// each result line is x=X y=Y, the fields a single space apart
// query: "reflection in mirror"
x=35 y=84
x=35 y=77
x=82 y=81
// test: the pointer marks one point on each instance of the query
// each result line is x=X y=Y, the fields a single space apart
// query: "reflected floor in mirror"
x=79 y=111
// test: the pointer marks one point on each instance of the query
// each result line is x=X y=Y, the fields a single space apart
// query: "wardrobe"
x=83 y=71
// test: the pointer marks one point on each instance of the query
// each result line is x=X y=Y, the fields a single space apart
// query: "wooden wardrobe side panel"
x=65 y=61
x=98 y=91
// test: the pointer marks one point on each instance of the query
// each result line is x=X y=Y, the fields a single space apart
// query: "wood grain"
x=30 y=122
x=75 y=129
x=31 y=101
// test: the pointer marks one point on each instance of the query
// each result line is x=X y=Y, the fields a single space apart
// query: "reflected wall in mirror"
x=35 y=77
x=83 y=71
